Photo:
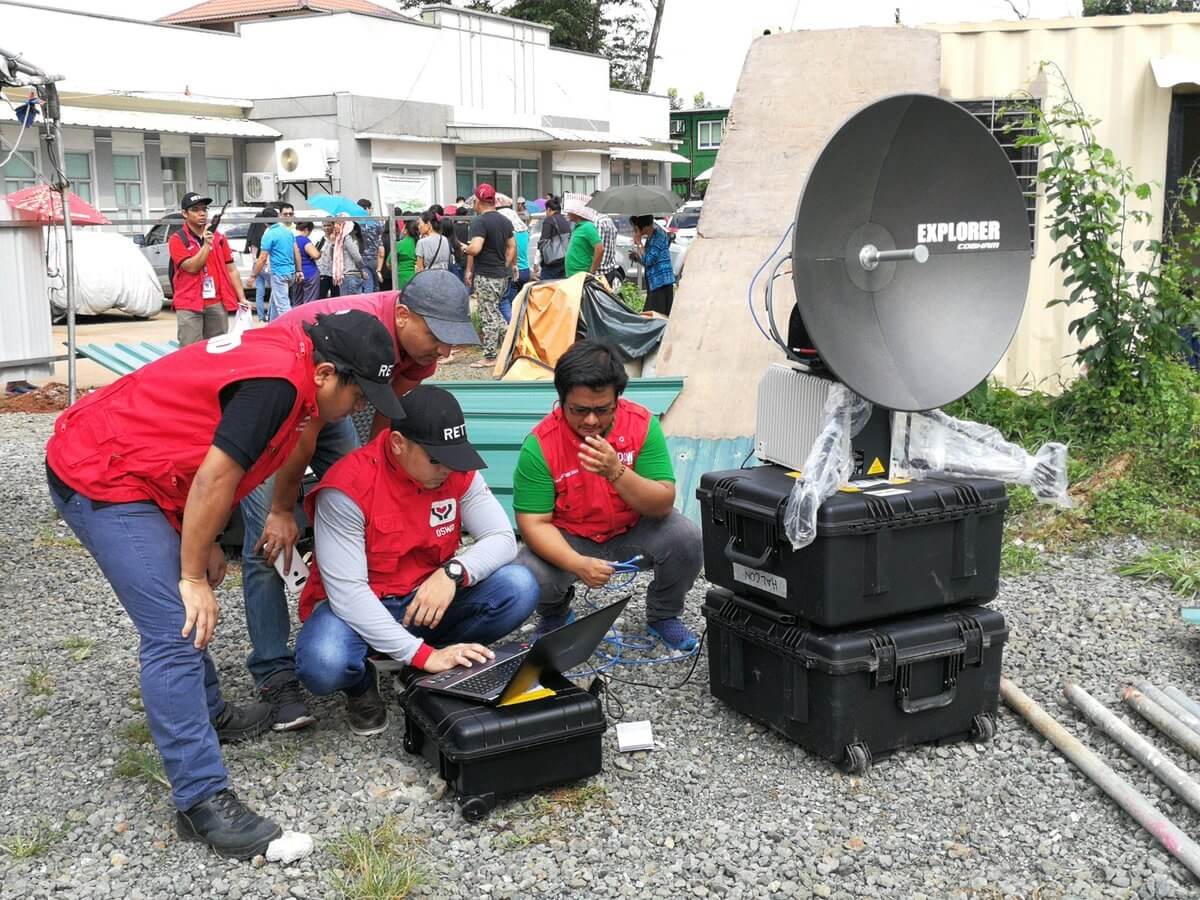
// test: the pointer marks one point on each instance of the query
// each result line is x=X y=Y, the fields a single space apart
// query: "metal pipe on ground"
x=1135 y=745
x=1126 y=796
x=1183 y=700
x=1163 y=720
x=1166 y=702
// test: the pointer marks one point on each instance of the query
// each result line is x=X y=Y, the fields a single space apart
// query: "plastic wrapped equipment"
x=933 y=443
x=828 y=465
x=110 y=273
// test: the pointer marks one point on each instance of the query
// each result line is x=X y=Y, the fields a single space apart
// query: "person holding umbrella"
x=653 y=247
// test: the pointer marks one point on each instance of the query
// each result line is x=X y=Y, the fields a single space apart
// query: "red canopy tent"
x=43 y=204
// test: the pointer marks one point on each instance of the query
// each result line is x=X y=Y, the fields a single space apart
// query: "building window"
x=1003 y=118
x=512 y=176
x=174 y=180
x=577 y=183
x=79 y=171
x=650 y=178
x=678 y=127
x=127 y=186
x=220 y=180
x=708 y=134
x=616 y=181
x=20 y=171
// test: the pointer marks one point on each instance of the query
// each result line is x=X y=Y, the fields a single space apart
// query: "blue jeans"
x=331 y=656
x=351 y=284
x=281 y=297
x=138 y=552
x=260 y=288
x=267 y=617
x=368 y=282
x=514 y=288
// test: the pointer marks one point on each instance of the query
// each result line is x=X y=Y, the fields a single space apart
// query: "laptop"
x=518 y=667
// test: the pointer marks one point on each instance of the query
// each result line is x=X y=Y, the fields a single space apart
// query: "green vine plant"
x=1130 y=316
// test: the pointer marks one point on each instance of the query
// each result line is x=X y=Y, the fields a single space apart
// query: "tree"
x=698 y=101
x=659 y=7
x=1126 y=7
x=674 y=99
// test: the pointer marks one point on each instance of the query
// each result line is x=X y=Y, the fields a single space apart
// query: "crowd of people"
x=484 y=241
x=147 y=481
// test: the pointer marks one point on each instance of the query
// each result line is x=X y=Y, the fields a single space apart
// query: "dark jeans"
x=331 y=656
x=554 y=270
x=327 y=288
x=510 y=295
x=673 y=543
x=267 y=618
x=138 y=552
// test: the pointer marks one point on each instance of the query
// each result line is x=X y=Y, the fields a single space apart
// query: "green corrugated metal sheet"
x=694 y=457
x=125 y=358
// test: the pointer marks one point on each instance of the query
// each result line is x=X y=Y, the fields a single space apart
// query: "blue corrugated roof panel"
x=694 y=457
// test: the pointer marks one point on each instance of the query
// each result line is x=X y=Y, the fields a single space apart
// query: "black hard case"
x=856 y=694
x=875 y=556
x=484 y=752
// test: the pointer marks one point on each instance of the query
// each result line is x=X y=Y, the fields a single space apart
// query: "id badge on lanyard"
x=208 y=288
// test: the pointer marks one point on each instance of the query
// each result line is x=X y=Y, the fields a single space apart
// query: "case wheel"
x=410 y=741
x=983 y=728
x=858 y=758
x=475 y=808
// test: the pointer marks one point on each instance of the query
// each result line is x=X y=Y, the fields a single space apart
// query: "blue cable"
x=750 y=289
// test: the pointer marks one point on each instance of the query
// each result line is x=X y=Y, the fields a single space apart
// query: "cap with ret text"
x=357 y=343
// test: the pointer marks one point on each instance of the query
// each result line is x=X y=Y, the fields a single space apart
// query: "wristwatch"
x=456 y=572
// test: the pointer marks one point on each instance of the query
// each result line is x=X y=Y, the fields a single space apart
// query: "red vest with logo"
x=410 y=530
x=585 y=504
x=144 y=436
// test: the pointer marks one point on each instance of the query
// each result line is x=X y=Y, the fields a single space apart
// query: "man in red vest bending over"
x=388 y=573
x=146 y=478
x=594 y=485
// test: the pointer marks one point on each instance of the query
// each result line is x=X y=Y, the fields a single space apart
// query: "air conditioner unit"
x=302 y=160
x=259 y=187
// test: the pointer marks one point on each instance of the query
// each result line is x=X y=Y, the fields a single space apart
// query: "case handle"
x=935 y=701
x=760 y=609
x=754 y=562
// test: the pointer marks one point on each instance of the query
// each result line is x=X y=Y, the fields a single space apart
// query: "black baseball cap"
x=440 y=298
x=358 y=343
x=434 y=420
x=191 y=198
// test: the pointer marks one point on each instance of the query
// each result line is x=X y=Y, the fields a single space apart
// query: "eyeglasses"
x=585 y=411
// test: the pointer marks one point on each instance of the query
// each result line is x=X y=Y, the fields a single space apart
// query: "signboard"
x=412 y=193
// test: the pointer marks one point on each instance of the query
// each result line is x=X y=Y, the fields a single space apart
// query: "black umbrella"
x=635 y=200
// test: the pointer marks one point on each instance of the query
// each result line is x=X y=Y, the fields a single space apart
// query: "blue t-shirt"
x=308 y=266
x=279 y=243
x=522 y=238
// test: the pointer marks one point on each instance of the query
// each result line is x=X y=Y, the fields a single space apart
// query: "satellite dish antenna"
x=910 y=260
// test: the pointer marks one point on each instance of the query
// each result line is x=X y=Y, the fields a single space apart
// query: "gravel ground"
x=725 y=808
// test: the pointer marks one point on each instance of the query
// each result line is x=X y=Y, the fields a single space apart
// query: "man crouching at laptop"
x=387 y=575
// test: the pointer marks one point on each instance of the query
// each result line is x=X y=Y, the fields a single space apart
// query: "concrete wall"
x=644 y=115
x=1106 y=62
x=765 y=157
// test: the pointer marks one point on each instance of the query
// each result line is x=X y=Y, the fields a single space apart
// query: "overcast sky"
x=702 y=43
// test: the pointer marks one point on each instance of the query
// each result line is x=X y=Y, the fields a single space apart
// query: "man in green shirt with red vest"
x=594 y=485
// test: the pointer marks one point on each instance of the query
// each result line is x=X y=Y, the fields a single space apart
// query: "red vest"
x=410 y=531
x=585 y=504
x=188 y=287
x=144 y=436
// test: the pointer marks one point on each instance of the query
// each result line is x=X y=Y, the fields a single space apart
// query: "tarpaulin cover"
x=110 y=273
x=548 y=315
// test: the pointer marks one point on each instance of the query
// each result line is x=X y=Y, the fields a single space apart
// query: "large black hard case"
x=881 y=550
x=484 y=752
x=857 y=694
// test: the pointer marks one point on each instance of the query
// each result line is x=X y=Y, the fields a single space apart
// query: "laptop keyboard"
x=493 y=679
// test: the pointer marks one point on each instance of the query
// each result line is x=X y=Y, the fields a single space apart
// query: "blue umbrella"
x=335 y=204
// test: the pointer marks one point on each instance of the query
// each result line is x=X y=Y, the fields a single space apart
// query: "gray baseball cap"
x=440 y=298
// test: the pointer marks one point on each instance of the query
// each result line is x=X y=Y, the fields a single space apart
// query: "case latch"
x=884 y=649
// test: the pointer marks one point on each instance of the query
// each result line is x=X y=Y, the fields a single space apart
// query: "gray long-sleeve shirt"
x=340 y=531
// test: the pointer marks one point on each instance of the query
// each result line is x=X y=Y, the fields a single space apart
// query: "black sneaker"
x=240 y=723
x=227 y=826
x=282 y=691
x=367 y=712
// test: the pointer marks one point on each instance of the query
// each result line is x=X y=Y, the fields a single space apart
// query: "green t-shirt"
x=533 y=486
x=584 y=238
x=406 y=261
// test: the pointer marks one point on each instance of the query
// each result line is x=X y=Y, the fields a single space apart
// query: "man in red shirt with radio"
x=388 y=573
x=206 y=283
x=146 y=478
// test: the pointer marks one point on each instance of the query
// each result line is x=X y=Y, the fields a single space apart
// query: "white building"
x=370 y=104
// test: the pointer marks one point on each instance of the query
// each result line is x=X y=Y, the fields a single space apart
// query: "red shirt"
x=381 y=305
x=134 y=441
x=586 y=504
x=189 y=286
x=410 y=530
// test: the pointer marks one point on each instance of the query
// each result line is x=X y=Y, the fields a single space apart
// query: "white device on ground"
x=296 y=577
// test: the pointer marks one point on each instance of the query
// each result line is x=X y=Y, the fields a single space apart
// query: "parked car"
x=234 y=225
x=682 y=225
